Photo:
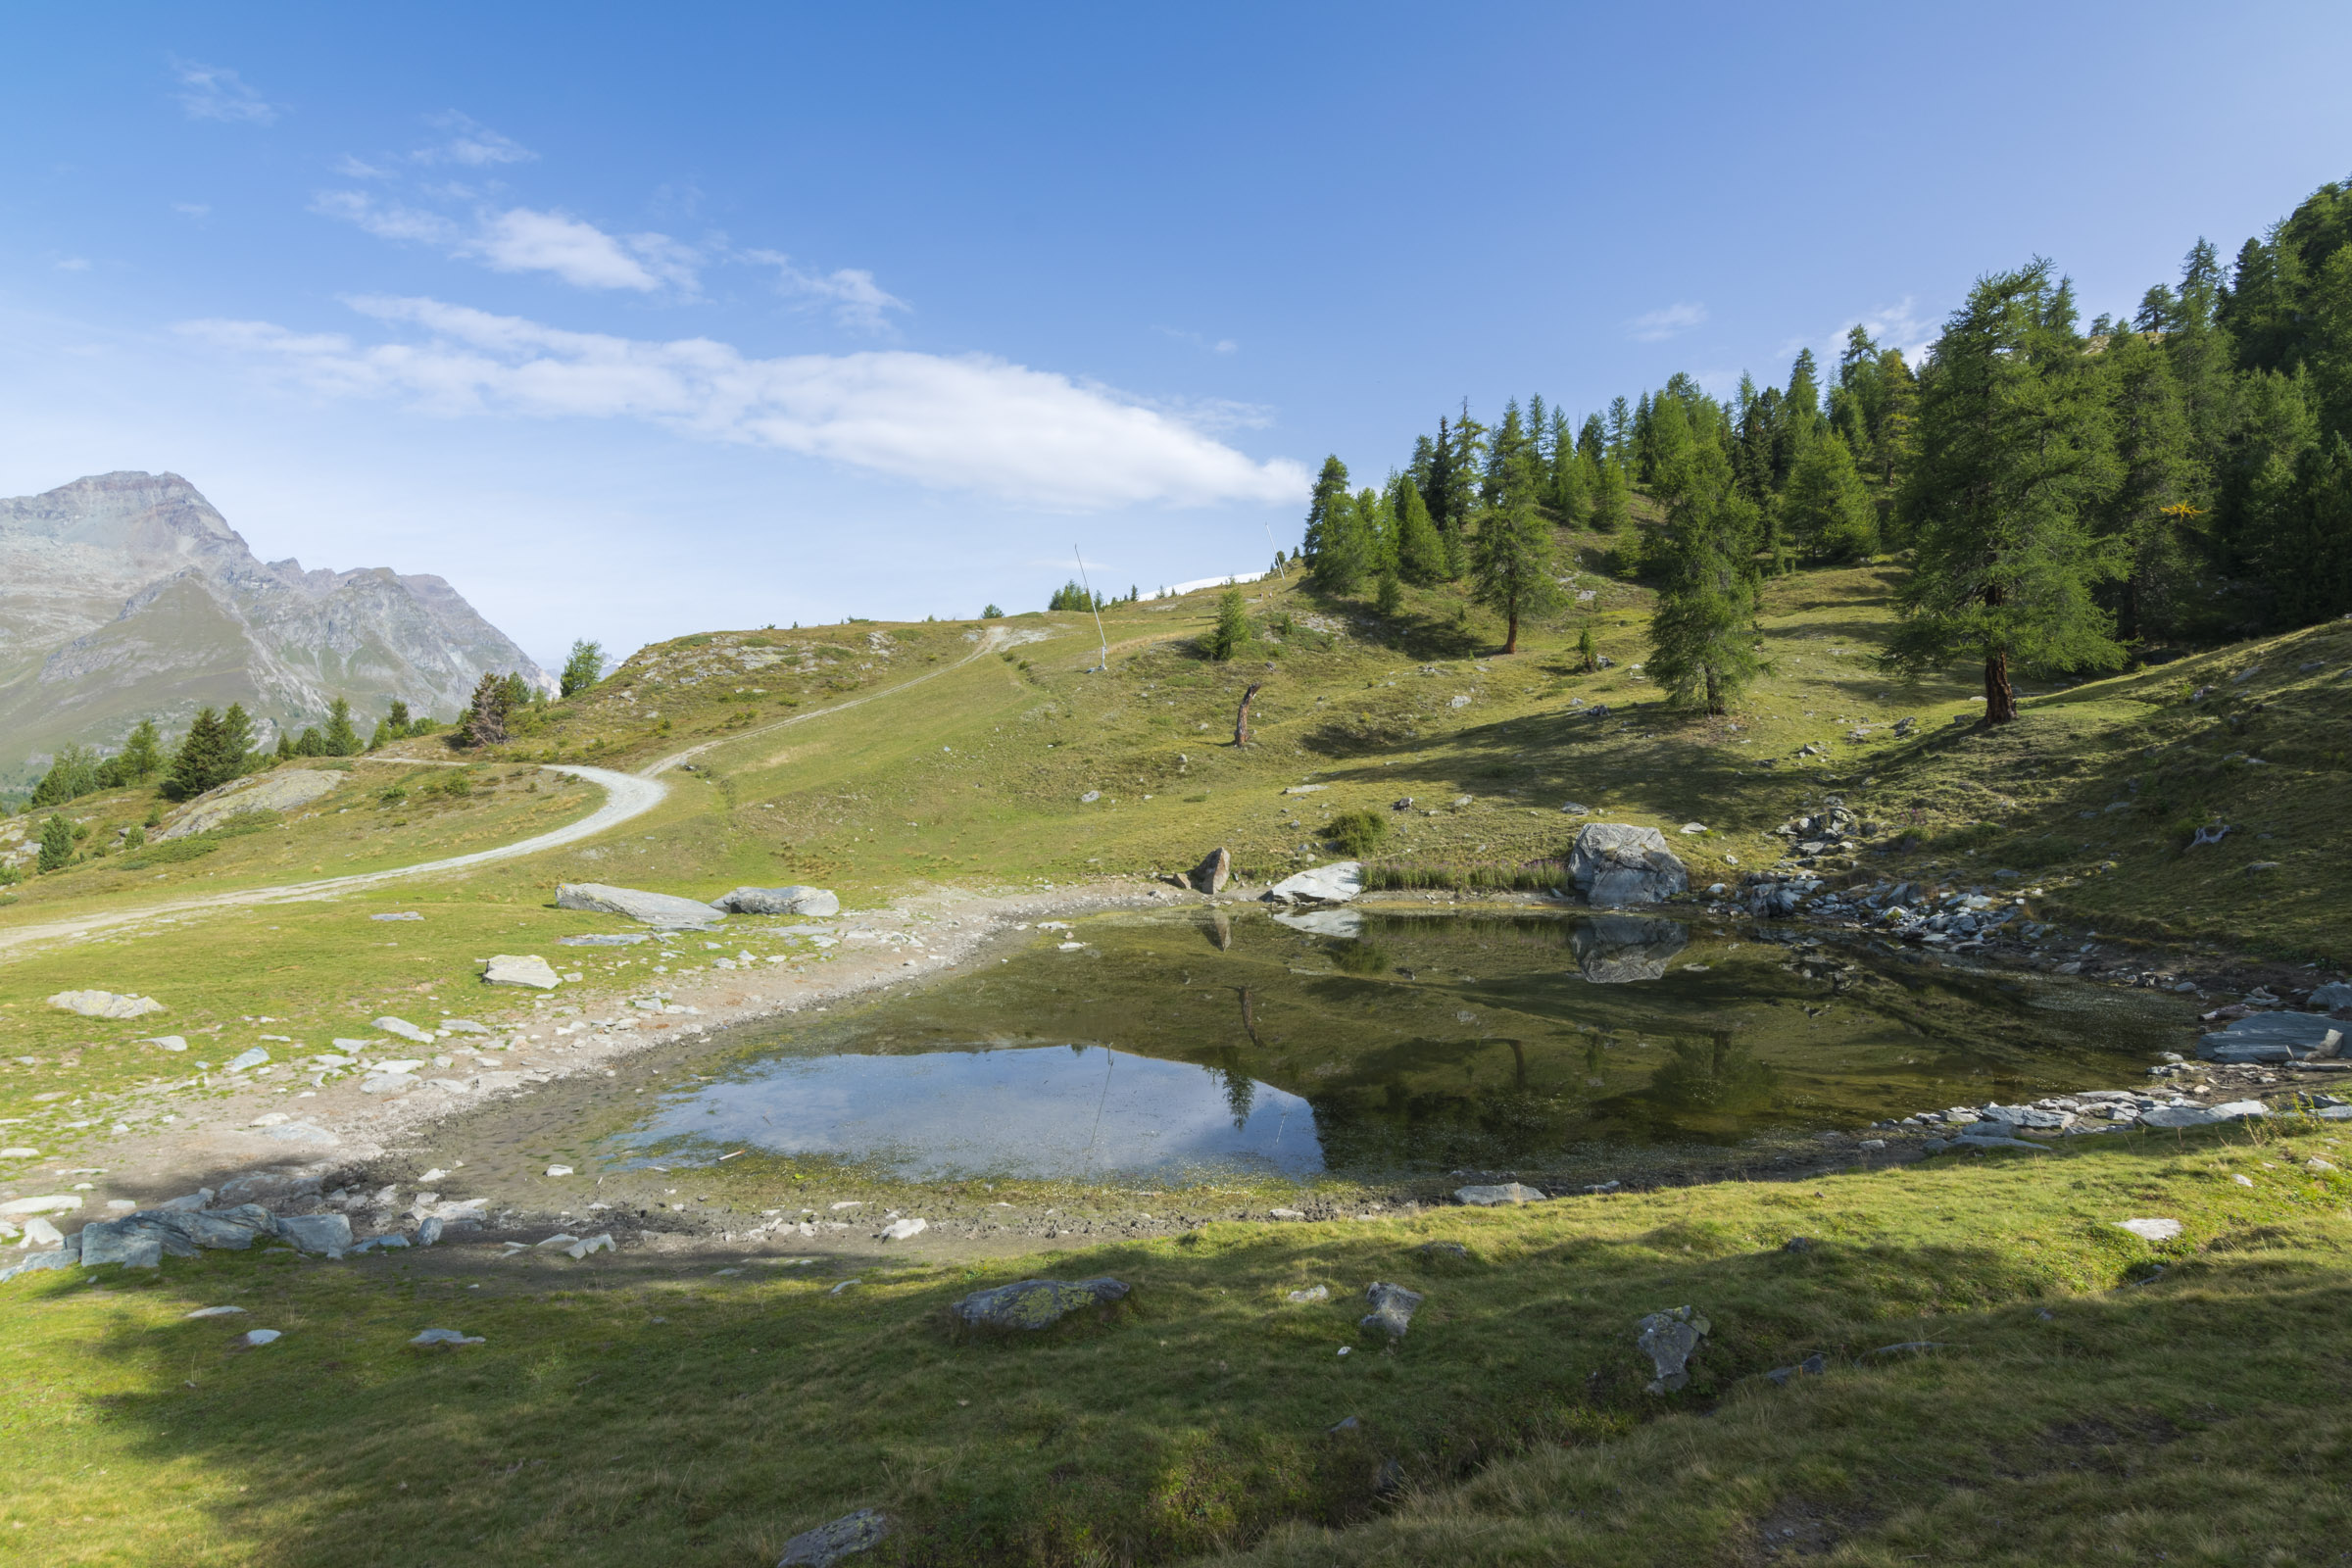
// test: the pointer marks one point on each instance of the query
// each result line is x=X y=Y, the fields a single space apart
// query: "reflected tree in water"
x=1713 y=1078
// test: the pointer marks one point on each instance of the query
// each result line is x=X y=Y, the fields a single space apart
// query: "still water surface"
x=1363 y=1043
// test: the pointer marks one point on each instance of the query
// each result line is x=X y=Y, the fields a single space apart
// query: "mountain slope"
x=127 y=596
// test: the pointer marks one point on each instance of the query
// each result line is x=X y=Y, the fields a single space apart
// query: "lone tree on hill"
x=2013 y=450
x=341 y=739
x=56 y=843
x=584 y=669
x=1510 y=567
x=1233 y=625
x=485 y=721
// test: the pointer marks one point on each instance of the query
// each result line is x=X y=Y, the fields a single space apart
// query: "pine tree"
x=397 y=717
x=1232 y=633
x=236 y=743
x=1389 y=598
x=1511 y=564
x=1827 y=509
x=1587 y=654
x=198 y=762
x=1570 y=500
x=585 y=668
x=2012 y=452
x=341 y=739
x=1591 y=440
x=2151 y=512
x=1420 y=552
x=485 y=721
x=1331 y=489
x=56 y=843
x=1343 y=547
x=142 y=756
x=72 y=773
x=1612 y=507
x=310 y=743
x=1701 y=634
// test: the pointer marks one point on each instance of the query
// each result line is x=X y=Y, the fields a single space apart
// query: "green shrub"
x=1357 y=833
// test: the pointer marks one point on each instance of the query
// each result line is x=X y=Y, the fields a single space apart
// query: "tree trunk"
x=1714 y=695
x=1241 y=716
x=1510 y=642
x=2000 y=698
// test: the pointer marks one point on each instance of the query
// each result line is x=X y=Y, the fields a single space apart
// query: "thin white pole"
x=1090 y=603
x=1279 y=569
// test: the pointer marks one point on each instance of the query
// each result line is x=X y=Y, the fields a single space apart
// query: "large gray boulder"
x=329 y=1234
x=1214 y=871
x=653 y=908
x=1393 y=1308
x=794 y=900
x=1334 y=883
x=1614 y=949
x=1617 y=863
x=2331 y=996
x=1033 y=1305
x=2274 y=1037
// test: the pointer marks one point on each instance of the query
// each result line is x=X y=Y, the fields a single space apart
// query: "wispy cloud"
x=1224 y=345
x=1659 y=326
x=969 y=422
x=1891 y=326
x=192 y=209
x=521 y=239
x=72 y=264
x=856 y=300
x=471 y=143
x=215 y=92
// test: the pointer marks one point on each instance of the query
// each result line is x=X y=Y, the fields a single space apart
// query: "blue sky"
x=639 y=320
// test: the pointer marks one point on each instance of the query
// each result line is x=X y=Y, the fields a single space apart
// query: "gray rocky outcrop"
x=283 y=789
x=105 y=1004
x=665 y=909
x=794 y=900
x=1670 y=1339
x=2274 y=1037
x=1032 y=1305
x=1617 y=863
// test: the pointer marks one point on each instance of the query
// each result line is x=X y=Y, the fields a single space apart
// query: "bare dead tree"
x=486 y=719
x=1241 y=716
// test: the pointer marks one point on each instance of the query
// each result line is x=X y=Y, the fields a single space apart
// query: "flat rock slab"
x=845 y=1537
x=1035 y=1304
x=794 y=900
x=280 y=791
x=403 y=1028
x=46 y=1203
x=2150 y=1230
x=1392 y=1307
x=1618 y=862
x=2202 y=1115
x=105 y=1004
x=1334 y=883
x=2274 y=1037
x=664 y=909
x=1488 y=1197
x=521 y=969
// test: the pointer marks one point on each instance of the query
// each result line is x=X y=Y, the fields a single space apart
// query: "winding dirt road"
x=627 y=795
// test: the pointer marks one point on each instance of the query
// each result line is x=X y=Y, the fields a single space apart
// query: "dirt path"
x=627 y=795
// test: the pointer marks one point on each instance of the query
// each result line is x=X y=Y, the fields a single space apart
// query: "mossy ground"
x=2193 y=1413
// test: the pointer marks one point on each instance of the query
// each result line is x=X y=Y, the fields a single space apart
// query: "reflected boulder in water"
x=1613 y=949
x=1348 y=923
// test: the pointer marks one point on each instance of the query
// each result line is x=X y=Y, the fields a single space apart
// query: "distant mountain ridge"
x=125 y=596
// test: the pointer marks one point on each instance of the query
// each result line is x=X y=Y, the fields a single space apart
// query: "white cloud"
x=1891 y=326
x=969 y=422
x=192 y=209
x=1224 y=345
x=523 y=240
x=215 y=92
x=856 y=299
x=471 y=143
x=1659 y=326
x=72 y=264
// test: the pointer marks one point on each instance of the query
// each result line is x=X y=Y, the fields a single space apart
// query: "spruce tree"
x=341 y=739
x=1701 y=634
x=397 y=716
x=142 y=755
x=1420 y=552
x=72 y=773
x=1512 y=561
x=1232 y=632
x=236 y=743
x=1611 y=499
x=1826 y=509
x=1343 y=545
x=196 y=761
x=56 y=843
x=2012 y=453
x=585 y=668
x=1331 y=489
x=2151 y=514
x=285 y=745
x=310 y=743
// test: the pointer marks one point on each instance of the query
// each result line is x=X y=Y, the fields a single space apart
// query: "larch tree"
x=1703 y=633
x=1512 y=561
x=1827 y=509
x=2011 y=453
x=1420 y=552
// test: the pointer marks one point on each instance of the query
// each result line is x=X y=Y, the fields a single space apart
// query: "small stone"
x=2150 y=1230
x=260 y=1336
x=559 y=1170
x=1313 y=1293
x=165 y=1042
x=904 y=1229
x=1453 y=1250
x=246 y=1060
x=429 y=1231
x=1670 y=1339
x=400 y=915
x=1033 y=1305
x=793 y=900
x=1490 y=1196
x=326 y=1233
x=218 y=1311
x=401 y=1027
x=431 y=1337
x=1393 y=1308
x=845 y=1537
x=1285 y=1213
x=599 y=1242
x=1214 y=871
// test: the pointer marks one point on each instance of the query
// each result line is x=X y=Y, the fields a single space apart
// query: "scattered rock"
x=41 y=1237
x=403 y=1028
x=1617 y=863
x=904 y=1229
x=1393 y=1308
x=2202 y=1115
x=449 y=1337
x=1286 y=1213
x=1032 y=1305
x=521 y=969
x=1090 y=797
x=664 y=909
x=1453 y=1250
x=302 y=1132
x=1488 y=1197
x=326 y=1233
x=165 y=1042
x=245 y=1060
x=1214 y=873
x=404 y=915
x=1575 y=808
x=129 y=1242
x=845 y=1537
x=2331 y=996
x=252 y=1339
x=1812 y=1366
x=105 y=1004
x=602 y=1242
x=2150 y=1230
x=1313 y=1293
x=603 y=939
x=47 y=1204
x=428 y=1230
x=559 y=1170
x=218 y=1311
x=1670 y=1339
x=1334 y=883
x=793 y=900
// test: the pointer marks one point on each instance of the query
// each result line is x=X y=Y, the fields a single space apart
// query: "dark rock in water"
x=794 y=900
x=1393 y=1308
x=1613 y=949
x=1670 y=1339
x=1034 y=1304
x=2274 y=1037
x=827 y=1544
x=1212 y=873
